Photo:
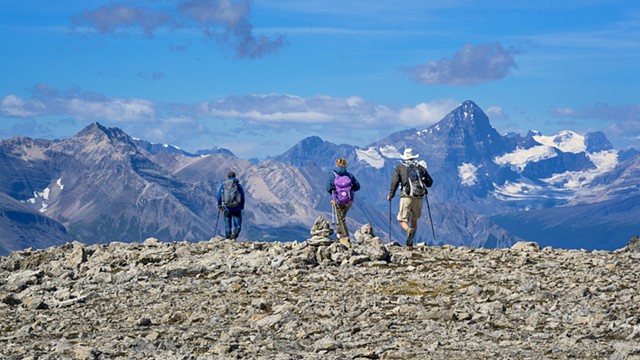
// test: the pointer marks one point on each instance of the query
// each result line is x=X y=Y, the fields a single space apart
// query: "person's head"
x=231 y=174
x=409 y=155
x=341 y=162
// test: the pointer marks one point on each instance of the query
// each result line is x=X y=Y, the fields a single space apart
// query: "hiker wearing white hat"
x=413 y=179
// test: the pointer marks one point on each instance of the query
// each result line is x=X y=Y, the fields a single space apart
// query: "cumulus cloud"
x=496 y=112
x=13 y=106
x=425 y=114
x=474 y=64
x=267 y=110
x=226 y=21
x=77 y=104
x=351 y=112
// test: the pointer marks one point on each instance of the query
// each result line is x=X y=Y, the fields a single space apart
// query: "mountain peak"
x=467 y=132
x=100 y=132
x=467 y=115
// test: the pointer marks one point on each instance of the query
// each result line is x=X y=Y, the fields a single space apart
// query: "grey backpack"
x=231 y=196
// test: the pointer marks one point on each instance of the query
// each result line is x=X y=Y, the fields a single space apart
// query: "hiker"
x=414 y=181
x=231 y=202
x=341 y=185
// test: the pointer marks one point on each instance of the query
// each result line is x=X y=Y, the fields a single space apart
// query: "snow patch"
x=519 y=159
x=166 y=146
x=390 y=152
x=566 y=141
x=42 y=197
x=468 y=174
x=59 y=183
x=524 y=190
x=604 y=161
x=371 y=157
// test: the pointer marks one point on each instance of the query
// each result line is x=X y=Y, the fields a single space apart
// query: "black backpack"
x=231 y=196
x=415 y=185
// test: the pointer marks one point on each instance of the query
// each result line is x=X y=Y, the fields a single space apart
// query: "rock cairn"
x=318 y=299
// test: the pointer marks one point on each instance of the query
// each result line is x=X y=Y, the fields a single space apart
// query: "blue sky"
x=258 y=76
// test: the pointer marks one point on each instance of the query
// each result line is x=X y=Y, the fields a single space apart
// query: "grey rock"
x=321 y=228
x=226 y=299
x=526 y=246
x=634 y=244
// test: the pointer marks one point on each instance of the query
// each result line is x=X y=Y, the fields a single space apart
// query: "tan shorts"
x=410 y=208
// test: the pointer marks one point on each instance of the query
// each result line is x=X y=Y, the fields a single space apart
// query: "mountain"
x=315 y=151
x=22 y=227
x=603 y=225
x=496 y=182
x=463 y=134
x=102 y=188
x=490 y=190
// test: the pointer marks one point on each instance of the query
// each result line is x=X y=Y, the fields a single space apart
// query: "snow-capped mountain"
x=489 y=189
x=488 y=174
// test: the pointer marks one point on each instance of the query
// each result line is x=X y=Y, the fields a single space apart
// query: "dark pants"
x=232 y=224
x=341 y=214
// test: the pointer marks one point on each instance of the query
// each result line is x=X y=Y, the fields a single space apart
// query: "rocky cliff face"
x=318 y=299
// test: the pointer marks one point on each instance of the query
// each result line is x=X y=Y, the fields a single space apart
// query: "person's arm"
x=395 y=181
x=241 y=189
x=355 y=184
x=219 y=197
x=330 y=185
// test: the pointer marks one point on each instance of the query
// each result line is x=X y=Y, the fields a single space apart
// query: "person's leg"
x=405 y=218
x=227 y=224
x=415 y=209
x=236 y=225
x=341 y=213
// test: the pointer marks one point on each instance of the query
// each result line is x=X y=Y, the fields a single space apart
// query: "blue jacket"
x=341 y=171
x=240 y=189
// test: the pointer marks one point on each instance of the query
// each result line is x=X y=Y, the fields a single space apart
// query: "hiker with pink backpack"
x=341 y=185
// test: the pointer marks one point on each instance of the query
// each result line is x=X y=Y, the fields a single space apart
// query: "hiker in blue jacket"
x=341 y=185
x=231 y=202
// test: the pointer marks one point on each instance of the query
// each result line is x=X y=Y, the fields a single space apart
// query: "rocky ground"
x=318 y=299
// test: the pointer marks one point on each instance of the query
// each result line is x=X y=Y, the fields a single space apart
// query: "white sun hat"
x=408 y=154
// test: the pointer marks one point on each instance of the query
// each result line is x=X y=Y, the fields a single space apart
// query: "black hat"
x=231 y=174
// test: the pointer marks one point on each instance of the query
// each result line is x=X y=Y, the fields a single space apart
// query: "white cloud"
x=426 y=113
x=496 y=112
x=270 y=110
x=474 y=64
x=122 y=110
x=14 y=106
x=78 y=105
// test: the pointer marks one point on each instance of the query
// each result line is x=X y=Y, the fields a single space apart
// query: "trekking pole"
x=426 y=197
x=215 y=229
x=389 y=233
x=333 y=214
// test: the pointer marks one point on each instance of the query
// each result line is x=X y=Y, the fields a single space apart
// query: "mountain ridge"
x=104 y=185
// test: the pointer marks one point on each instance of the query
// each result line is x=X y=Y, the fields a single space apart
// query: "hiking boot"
x=411 y=232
